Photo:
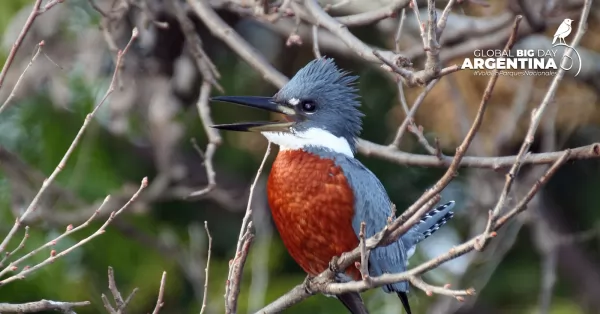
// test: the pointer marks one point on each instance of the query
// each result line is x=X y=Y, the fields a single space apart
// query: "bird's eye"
x=308 y=106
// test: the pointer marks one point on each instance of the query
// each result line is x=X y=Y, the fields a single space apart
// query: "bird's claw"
x=306 y=284
x=333 y=265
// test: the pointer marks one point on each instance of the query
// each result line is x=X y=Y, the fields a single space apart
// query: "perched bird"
x=317 y=191
x=563 y=31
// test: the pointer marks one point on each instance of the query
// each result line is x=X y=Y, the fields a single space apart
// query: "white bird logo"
x=563 y=31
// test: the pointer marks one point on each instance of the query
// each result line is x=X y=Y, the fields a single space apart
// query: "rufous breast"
x=312 y=205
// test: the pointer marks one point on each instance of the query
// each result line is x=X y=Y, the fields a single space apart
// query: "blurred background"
x=545 y=261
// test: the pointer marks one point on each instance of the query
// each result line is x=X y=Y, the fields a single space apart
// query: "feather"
x=404 y=299
x=353 y=302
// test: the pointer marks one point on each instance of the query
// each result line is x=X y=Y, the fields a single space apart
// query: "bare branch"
x=373 y=16
x=409 y=118
x=521 y=206
x=415 y=7
x=460 y=151
x=536 y=117
x=364 y=253
x=20 y=246
x=294 y=296
x=323 y=19
x=207 y=68
x=161 y=293
x=336 y=288
x=35 y=12
x=32 y=207
x=429 y=35
x=13 y=92
x=42 y=305
x=232 y=286
x=55 y=255
x=399 y=31
x=119 y=302
x=394 y=155
x=112 y=286
x=214 y=138
x=430 y=290
x=415 y=78
x=220 y=29
x=205 y=297
x=441 y=25
x=107 y=305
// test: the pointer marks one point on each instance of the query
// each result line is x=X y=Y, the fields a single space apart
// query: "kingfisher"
x=318 y=192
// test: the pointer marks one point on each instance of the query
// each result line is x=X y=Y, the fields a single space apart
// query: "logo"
x=538 y=62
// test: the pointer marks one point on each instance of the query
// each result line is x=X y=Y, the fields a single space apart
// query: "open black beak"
x=264 y=103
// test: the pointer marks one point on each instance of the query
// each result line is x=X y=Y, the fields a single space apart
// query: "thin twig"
x=410 y=114
x=119 y=302
x=161 y=294
x=34 y=203
x=399 y=31
x=109 y=308
x=370 y=17
x=430 y=289
x=337 y=288
x=415 y=7
x=18 y=83
x=430 y=37
x=205 y=65
x=220 y=29
x=70 y=230
x=129 y=298
x=364 y=253
x=35 y=12
x=394 y=155
x=40 y=306
x=441 y=25
x=518 y=106
x=232 y=287
x=205 y=297
x=536 y=117
x=214 y=138
x=54 y=255
x=112 y=286
x=460 y=151
x=356 y=45
x=522 y=205
x=20 y=246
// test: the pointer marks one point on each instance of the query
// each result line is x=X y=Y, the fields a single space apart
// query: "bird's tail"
x=554 y=40
x=404 y=299
x=434 y=219
x=353 y=302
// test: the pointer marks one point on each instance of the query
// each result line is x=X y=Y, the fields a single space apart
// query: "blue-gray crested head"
x=324 y=97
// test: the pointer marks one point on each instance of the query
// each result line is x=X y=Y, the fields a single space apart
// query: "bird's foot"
x=306 y=284
x=333 y=265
